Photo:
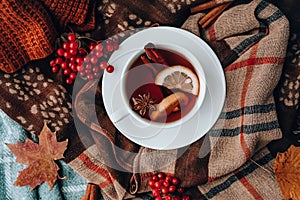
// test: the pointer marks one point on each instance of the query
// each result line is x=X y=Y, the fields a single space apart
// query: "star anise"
x=143 y=103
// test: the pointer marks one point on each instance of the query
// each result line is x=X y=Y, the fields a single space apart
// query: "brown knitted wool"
x=75 y=12
x=26 y=33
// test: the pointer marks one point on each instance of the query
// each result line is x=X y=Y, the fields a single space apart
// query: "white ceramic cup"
x=125 y=110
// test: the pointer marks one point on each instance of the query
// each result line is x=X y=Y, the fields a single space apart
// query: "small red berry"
x=67 y=71
x=155 y=178
x=88 y=66
x=52 y=62
x=86 y=59
x=158 y=184
x=158 y=198
x=185 y=198
x=58 y=60
x=96 y=74
x=168 y=197
x=73 y=67
x=95 y=69
x=73 y=45
x=64 y=65
x=79 y=60
x=71 y=37
x=94 y=59
x=109 y=48
x=105 y=52
x=92 y=46
x=180 y=190
x=110 y=69
x=172 y=189
x=151 y=183
x=82 y=73
x=88 y=71
x=66 y=46
x=116 y=47
x=155 y=192
x=169 y=178
x=90 y=77
x=55 y=69
x=80 y=68
x=166 y=184
x=72 y=59
x=161 y=175
x=60 y=51
x=164 y=190
x=175 y=181
x=69 y=81
x=82 y=51
x=73 y=52
x=99 y=54
x=67 y=55
x=99 y=47
x=73 y=75
x=103 y=65
x=176 y=198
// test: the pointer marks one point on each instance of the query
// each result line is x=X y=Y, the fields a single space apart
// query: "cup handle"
x=119 y=115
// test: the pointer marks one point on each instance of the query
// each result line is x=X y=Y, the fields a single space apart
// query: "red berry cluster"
x=87 y=62
x=166 y=187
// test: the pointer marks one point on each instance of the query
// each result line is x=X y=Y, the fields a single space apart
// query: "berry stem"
x=88 y=38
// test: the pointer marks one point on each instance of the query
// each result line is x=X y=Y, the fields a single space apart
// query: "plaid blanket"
x=250 y=40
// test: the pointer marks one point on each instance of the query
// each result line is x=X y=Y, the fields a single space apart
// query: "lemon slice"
x=179 y=77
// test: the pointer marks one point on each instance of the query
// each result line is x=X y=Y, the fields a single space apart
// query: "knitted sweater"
x=28 y=29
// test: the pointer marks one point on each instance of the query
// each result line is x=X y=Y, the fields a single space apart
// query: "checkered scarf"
x=250 y=40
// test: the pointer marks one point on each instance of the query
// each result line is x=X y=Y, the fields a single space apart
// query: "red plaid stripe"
x=243 y=99
x=88 y=163
x=256 y=62
x=251 y=189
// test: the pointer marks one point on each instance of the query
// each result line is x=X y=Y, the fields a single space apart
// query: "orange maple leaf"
x=39 y=158
x=287 y=171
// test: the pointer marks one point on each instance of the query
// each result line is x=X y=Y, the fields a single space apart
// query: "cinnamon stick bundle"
x=204 y=6
x=212 y=15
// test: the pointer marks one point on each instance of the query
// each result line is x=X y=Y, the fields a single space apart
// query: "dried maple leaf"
x=287 y=171
x=39 y=158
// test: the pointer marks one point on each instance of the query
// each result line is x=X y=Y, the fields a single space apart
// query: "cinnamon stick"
x=160 y=59
x=213 y=15
x=204 y=6
x=94 y=192
x=154 y=55
x=87 y=192
x=147 y=62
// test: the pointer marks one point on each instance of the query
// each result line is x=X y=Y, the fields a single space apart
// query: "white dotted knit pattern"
x=29 y=84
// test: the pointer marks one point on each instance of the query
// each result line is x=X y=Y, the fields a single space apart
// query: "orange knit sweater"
x=28 y=31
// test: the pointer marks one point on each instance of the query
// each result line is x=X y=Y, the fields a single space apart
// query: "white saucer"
x=168 y=137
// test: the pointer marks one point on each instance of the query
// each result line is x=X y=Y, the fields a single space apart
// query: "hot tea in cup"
x=163 y=85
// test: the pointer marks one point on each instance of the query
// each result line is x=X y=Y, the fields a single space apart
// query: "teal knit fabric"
x=72 y=188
